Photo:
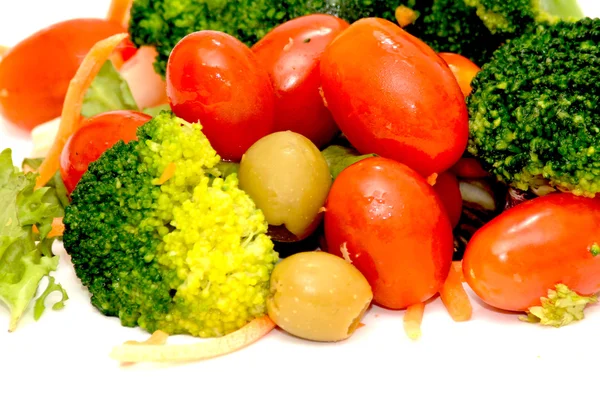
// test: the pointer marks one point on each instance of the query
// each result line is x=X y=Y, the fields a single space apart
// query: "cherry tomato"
x=463 y=69
x=394 y=96
x=35 y=74
x=469 y=168
x=291 y=53
x=387 y=220
x=94 y=136
x=513 y=260
x=447 y=187
x=217 y=80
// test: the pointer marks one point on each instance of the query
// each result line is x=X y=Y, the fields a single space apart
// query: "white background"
x=65 y=354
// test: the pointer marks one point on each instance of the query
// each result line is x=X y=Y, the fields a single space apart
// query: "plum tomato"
x=392 y=95
x=93 y=137
x=448 y=189
x=214 y=78
x=291 y=54
x=385 y=219
x=517 y=257
x=464 y=70
x=35 y=74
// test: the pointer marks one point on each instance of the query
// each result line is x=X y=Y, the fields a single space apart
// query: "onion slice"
x=210 y=348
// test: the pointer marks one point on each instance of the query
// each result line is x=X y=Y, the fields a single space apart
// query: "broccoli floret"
x=452 y=26
x=534 y=109
x=188 y=255
x=512 y=18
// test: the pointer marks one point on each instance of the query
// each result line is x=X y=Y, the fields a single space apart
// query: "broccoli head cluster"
x=534 y=116
x=163 y=241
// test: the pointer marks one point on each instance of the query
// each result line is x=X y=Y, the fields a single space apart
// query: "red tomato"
x=513 y=260
x=463 y=69
x=394 y=96
x=35 y=74
x=291 y=53
x=447 y=187
x=469 y=168
x=389 y=222
x=94 y=136
x=217 y=80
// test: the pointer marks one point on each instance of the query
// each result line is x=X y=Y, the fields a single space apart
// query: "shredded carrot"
x=412 y=320
x=167 y=174
x=58 y=228
x=405 y=16
x=119 y=11
x=454 y=296
x=71 y=111
x=211 y=348
x=457 y=265
x=432 y=179
x=360 y=325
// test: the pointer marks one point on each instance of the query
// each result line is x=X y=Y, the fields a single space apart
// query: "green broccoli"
x=452 y=26
x=162 y=241
x=534 y=118
x=512 y=18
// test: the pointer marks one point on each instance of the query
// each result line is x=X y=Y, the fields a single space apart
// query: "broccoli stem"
x=561 y=9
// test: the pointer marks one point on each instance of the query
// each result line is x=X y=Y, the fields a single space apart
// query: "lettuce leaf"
x=108 y=92
x=25 y=258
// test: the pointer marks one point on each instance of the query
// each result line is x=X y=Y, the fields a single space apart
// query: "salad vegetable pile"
x=219 y=169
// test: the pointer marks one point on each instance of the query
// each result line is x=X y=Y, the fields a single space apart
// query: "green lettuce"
x=108 y=92
x=25 y=255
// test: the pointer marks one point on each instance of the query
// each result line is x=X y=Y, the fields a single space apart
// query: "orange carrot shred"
x=432 y=179
x=167 y=174
x=455 y=297
x=412 y=320
x=71 y=111
x=119 y=11
x=58 y=228
x=360 y=325
x=208 y=348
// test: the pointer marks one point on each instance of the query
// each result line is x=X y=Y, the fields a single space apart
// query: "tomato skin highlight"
x=463 y=69
x=216 y=79
x=389 y=222
x=513 y=260
x=94 y=136
x=448 y=189
x=291 y=54
x=394 y=96
x=35 y=74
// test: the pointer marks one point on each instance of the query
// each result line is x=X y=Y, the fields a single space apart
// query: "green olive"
x=289 y=180
x=318 y=296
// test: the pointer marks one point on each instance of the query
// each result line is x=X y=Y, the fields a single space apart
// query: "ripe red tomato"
x=447 y=187
x=513 y=260
x=469 y=168
x=217 y=80
x=291 y=54
x=94 y=136
x=389 y=222
x=394 y=96
x=35 y=74
x=463 y=69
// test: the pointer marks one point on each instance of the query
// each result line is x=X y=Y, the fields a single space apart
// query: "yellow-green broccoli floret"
x=533 y=111
x=189 y=255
